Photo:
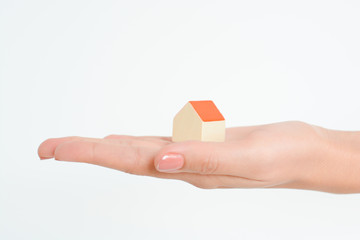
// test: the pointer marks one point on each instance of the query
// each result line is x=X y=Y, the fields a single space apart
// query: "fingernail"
x=44 y=158
x=170 y=162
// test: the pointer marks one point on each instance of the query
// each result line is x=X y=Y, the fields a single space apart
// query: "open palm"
x=254 y=156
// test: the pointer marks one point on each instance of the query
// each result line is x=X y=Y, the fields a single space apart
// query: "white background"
x=93 y=68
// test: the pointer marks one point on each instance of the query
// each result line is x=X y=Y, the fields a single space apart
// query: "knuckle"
x=111 y=136
x=209 y=164
x=257 y=135
x=133 y=166
x=92 y=158
x=132 y=143
x=298 y=123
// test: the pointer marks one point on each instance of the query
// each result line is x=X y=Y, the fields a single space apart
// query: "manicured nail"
x=170 y=162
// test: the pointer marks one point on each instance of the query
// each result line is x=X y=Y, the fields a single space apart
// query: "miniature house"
x=199 y=120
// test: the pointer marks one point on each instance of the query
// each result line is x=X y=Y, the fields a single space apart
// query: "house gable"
x=187 y=125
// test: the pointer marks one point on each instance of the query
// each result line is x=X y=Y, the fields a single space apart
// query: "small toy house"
x=199 y=120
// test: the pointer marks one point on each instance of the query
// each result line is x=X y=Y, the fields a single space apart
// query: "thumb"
x=203 y=158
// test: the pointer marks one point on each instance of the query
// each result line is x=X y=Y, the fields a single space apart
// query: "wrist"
x=335 y=166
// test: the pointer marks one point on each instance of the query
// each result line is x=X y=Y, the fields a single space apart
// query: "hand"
x=285 y=155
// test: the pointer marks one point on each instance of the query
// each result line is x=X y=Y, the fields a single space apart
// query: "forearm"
x=335 y=166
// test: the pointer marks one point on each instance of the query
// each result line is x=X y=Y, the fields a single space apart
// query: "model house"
x=199 y=120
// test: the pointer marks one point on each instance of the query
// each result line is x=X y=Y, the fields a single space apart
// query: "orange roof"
x=207 y=111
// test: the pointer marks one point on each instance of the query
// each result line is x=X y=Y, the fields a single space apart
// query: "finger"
x=46 y=148
x=162 y=138
x=132 y=156
x=232 y=158
x=156 y=138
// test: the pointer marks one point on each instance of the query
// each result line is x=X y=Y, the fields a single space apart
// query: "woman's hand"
x=284 y=155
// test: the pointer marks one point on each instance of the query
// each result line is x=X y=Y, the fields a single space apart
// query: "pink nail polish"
x=170 y=162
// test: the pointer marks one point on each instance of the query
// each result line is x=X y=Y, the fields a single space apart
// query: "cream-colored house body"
x=213 y=131
x=188 y=125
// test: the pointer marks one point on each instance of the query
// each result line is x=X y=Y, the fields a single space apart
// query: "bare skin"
x=279 y=155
